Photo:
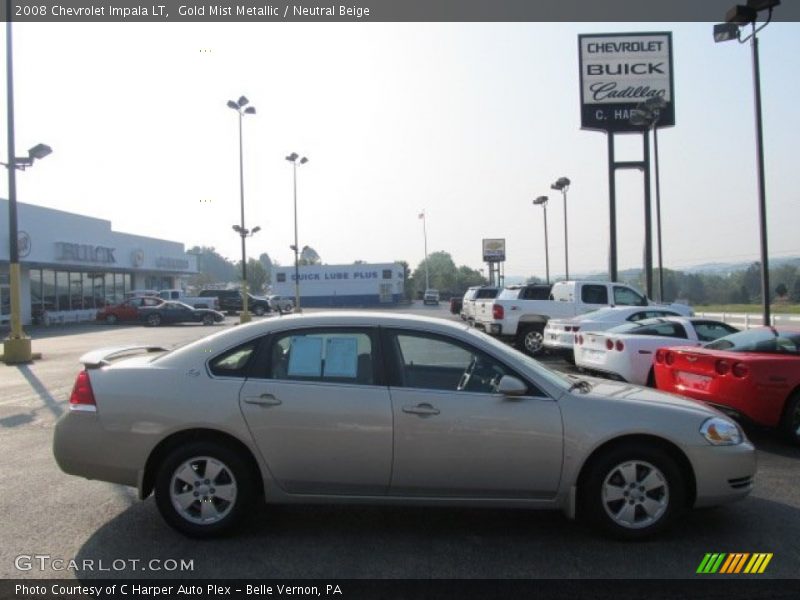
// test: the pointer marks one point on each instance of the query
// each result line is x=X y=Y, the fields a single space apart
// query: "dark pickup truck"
x=231 y=302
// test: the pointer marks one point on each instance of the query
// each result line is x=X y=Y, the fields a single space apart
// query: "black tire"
x=258 y=310
x=154 y=320
x=790 y=423
x=654 y=505
x=208 y=319
x=530 y=339
x=232 y=474
x=111 y=319
x=651 y=378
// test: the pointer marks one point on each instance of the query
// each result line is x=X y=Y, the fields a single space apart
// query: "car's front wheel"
x=111 y=319
x=258 y=310
x=632 y=491
x=154 y=320
x=208 y=319
x=204 y=489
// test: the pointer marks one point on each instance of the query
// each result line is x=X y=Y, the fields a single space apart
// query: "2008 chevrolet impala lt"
x=388 y=408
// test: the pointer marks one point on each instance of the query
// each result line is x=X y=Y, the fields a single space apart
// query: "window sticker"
x=305 y=358
x=341 y=357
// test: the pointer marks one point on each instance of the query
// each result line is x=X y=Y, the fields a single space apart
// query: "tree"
x=256 y=275
x=795 y=297
x=309 y=256
x=212 y=267
x=781 y=290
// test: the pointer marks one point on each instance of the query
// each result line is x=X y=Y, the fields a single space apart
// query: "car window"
x=627 y=297
x=768 y=341
x=337 y=356
x=594 y=294
x=536 y=293
x=666 y=329
x=233 y=362
x=708 y=331
x=435 y=363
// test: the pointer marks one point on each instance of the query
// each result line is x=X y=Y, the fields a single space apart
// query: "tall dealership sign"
x=625 y=75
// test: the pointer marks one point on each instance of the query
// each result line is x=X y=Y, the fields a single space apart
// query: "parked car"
x=430 y=297
x=280 y=304
x=752 y=375
x=178 y=312
x=193 y=301
x=518 y=318
x=559 y=334
x=474 y=295
x=626 y=352
x=127 y=310
x=389 y=408
x=231 y=301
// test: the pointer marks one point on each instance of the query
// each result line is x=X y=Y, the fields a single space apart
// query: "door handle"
x=263 y=400
x=421 y=409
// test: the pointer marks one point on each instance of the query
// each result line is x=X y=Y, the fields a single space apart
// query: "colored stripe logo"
x=734 y=563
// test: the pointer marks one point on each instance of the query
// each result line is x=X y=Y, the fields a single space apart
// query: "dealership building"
x=72 y=264
x=377 y=284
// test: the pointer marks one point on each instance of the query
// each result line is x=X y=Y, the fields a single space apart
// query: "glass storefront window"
x=75 y=291
x=62 y=290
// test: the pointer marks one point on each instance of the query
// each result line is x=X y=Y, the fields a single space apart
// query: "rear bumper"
x=723 y=473
x=82 y=447
x=559 y=341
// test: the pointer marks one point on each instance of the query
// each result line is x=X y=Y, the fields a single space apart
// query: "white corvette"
x=626 y=352
x=559 y=334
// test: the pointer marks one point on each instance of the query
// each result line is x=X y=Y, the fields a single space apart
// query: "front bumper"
x=723 y=473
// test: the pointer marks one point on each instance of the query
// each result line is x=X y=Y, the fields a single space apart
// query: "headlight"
x=721 y=432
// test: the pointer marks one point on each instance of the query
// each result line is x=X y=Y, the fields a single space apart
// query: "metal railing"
x=751 y=320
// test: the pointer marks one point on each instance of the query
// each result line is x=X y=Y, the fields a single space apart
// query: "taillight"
x=722 y=367
x=740 y=370
x=576 y=328
x=609 y=345
x=659 y=356
x=619 y=346
x=497 y=311
x=82 y=397
x=567 y=328
x=669 y=357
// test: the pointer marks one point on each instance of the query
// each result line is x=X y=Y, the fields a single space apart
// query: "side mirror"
x=511 y=386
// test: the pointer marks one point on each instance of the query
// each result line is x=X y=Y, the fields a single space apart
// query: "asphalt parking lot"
x=46 y=512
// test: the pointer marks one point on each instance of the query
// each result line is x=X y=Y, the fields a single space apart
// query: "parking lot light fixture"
x=239 y=107
x=542 y=201
x=562 y=185
x=736 y=18
x=292 y=158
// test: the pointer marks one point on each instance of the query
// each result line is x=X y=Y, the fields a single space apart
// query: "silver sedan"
x=389 y=408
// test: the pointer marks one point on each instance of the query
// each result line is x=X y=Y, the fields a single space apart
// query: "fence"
x=749 y=320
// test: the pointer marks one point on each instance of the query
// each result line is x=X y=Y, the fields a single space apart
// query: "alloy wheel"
x=635 y=494
x=203 y=490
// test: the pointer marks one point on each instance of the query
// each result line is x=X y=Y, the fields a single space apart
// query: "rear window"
x=768 y=341
x=489 y=293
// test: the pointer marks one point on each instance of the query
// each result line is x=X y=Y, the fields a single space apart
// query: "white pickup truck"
x=193 y=301
x=515 y=317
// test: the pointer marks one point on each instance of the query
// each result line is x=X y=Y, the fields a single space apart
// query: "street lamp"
x=239 y=106
x=17 y=347
x=293 y=158
x=646 y=114
x=542 y=201
x=736 y=17
x=562 y=184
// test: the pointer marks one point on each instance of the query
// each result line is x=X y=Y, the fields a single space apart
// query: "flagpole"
x=425 y=237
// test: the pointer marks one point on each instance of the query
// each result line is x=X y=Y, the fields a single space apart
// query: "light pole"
x=647 y=114
x=17 y=347
x=293 y=158
x=736 y=17
x=562 y=185
x=542 y=201
x=425 y=241
x=239 y=106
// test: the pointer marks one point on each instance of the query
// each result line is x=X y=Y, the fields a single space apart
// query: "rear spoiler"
x=103 y=357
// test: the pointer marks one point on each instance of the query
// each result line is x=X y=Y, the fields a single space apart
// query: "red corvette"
x=752 y=374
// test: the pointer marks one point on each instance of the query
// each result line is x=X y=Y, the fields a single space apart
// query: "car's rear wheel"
x=154 y=320
x=111 y=319
x=203 y=489
x=531 y=340
x=790 y=424
x=208 y=319
x=632 y=491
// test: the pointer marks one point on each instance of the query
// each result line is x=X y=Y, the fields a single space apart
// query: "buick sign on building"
x=620 y=70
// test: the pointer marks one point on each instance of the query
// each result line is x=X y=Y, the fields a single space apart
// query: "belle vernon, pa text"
x=96 y=591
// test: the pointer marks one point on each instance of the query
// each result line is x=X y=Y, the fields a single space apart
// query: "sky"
x=467 y=121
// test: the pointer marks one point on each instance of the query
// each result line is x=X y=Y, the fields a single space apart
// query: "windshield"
x=767 y=340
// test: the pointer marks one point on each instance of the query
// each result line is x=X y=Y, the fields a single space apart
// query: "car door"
x=320 y=414
x=455 y=436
